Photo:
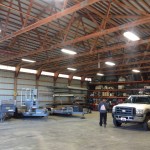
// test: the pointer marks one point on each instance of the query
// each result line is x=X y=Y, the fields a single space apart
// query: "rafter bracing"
x=106 y=49
x=28 y=12
x=96 y=34
x=51 y=18
x=109 y=41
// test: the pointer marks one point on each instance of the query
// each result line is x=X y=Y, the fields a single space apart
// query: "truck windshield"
x=138 y=100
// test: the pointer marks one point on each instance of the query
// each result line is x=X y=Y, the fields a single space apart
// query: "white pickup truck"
x=136 y=109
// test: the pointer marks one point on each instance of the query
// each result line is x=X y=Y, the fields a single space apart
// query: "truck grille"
x=125 y=111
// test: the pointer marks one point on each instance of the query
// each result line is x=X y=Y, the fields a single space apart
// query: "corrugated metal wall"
x=6 y=85
x=45 y=92
x=45 y=87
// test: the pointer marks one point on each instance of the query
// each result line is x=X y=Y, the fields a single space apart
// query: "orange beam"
x=83 y=38
x=51 y=18
x=112 y=48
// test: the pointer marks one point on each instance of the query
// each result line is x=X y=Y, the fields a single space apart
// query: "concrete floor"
x=71 y=133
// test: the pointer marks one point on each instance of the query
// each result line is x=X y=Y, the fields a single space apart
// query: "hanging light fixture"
x=72 y=69
x=100 y=74
x=135 y=70
x=110 y=63
x=28 y=60
x=68 y=51
x=131 y=36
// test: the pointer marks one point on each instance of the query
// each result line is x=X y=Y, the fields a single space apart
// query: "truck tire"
x=146 y=124
x=116 y=123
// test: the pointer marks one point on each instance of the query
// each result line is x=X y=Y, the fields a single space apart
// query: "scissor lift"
x=30 y=104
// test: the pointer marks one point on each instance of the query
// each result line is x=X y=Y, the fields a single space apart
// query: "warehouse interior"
x=65 y=56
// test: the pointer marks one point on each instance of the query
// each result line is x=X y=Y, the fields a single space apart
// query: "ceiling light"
x=68 y=51
x=110 y=63
x=63 y=75
x=135 y=70
x=131 y=36
x=72 y=69
x=28 y=70
x=47 y=73
x=76 y=77
x=100 y=74
x=28 y=60
x=3 y=67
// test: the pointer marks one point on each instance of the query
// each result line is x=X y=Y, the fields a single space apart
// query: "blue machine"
x=30 y=104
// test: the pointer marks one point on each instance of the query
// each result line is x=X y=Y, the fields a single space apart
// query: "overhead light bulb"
x=68 y=51
x=131 y=36
x=28 y=60
x=110 y=63
x=100 y=74
x=135 y=70
x=72 y=69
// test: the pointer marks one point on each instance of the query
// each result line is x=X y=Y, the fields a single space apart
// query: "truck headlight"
x=139 y=111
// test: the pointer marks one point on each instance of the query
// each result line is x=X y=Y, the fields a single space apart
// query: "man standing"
x=102 y=107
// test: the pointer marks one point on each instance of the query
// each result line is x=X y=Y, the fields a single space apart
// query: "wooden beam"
x=69 y=26
x=126 y=16
x=17 y=70
x=65 y=4
x=15 y=87
x=39 y=71
x=94 y=52
x=82 y=80
x=131 y=8
x=28 y=12
x=83 y=38
x=51 y=18
x=107 y=14
x=20 y=9
x=7 y=19
x=70 y=79
x=56 y=74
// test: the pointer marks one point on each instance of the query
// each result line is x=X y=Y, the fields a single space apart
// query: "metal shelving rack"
x=95 y=95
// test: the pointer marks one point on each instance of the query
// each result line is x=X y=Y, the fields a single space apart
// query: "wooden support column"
x=55 y=77
x=15 y=88
x=82 y=80
x=15 y=81
x=39 y=71
x=70 y=79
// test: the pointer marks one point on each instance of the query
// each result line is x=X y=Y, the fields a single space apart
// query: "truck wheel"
x=146 y=124
x=116 y=123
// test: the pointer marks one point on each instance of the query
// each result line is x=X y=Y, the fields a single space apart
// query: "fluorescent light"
x=110 y=63
x=68 y=51
x=76 y=77
x=135 y=70
x=72 y=69
x=100 y=74
x=28 y=70
x=28 y=60
x=47 y=73
x=63 y=76
x=3 y=67
x=131 y=36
